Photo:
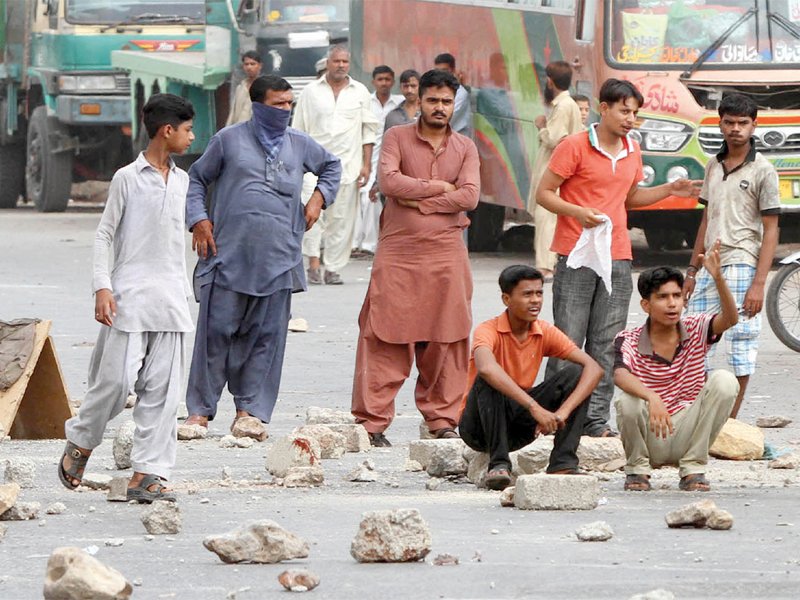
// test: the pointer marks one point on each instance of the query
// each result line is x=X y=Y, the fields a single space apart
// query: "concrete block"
x=422 y=450
x=556 y=492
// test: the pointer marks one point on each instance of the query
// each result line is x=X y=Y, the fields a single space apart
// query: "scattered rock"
x=786 y=461
x=422 y=450
x=8 y=496
x=356 y=437
x=298 y=325
x=130 y=401
x=3 y=530
x=56 y=508
x=412 y=465
x=364 y=472
x=228 y=441
x=298 y=580
x=445 y=560
x=96 y=481
x=115 y=542
x=292 y=451
x=21 y=471
x=534 y=457
x=773 y=421
x=118 y=490
x=22 y=511
x=556 y=492
x=657 y=594
x=331 y=443
x=738 y=441
x=594 y=453
x=226 y=473
x=433 y=484
x=424 y=432
x=692 y=515
x=162 y=518
x=599 y=531
x=195 y=431
x=720 y=519
x=391 y=536
x=123 y=442
x=73 y=574
x=257 y=542
x=507 y=497
x=325 y=416
x=447 y=460
x=611 y=466
x=304 y=477
x=251 y=427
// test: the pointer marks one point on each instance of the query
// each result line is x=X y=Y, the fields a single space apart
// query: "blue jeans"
x=583 y=309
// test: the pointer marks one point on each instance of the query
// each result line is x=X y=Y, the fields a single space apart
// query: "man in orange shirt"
x=502 y=411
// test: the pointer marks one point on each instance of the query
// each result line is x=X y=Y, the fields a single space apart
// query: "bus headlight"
x=675 y=173
x=87 y=83
x=649 y=176
x=663 y=136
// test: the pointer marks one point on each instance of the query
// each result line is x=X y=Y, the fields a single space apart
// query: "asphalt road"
x=45 y=272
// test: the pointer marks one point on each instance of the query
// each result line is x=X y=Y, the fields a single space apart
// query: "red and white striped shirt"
x=679 y=381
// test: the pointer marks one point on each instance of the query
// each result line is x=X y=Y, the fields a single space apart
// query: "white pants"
x=368 y=221
x=545 y=223
x=154 y=362
x=334 y=230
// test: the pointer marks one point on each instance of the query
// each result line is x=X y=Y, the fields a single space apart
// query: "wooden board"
x=36 y=406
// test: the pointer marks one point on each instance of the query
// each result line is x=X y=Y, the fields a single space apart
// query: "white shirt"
x=380 y=111
x=342 y=125
x=144 y=222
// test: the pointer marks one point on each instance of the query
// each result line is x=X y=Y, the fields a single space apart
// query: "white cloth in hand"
x=593 y=250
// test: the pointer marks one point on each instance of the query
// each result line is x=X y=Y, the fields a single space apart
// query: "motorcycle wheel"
x=783 y=305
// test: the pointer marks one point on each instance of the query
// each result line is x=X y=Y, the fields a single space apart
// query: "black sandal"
x=448 y=433
x=694 y=482
x=637 y=483
x=143 y=495
x=76 y=469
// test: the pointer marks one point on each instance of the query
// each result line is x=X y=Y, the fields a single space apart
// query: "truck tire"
x=783 y=305
x=48 y=175
x=12 y=174
x=486 y=227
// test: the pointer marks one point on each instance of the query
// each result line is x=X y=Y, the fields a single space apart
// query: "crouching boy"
x=669 y=413
x=502 y=411
x=142 y=307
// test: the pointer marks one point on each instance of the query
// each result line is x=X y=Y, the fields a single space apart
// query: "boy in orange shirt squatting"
x=502 y=411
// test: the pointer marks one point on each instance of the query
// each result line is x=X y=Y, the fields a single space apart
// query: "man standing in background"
x=335 y=111
x=564 y=120
x=462 y=113
x=241 y=109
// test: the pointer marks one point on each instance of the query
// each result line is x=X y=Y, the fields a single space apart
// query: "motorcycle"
x=783 y=302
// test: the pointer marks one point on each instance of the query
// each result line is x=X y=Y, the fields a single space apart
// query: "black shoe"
x=379 y=440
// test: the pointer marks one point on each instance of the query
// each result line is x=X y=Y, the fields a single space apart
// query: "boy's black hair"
x=265 y=83
x=560 y=73
x=253 y=55
x=581 y=98
x=651 y=280
x=382 y=69
x=445 y=58
x=165 y=109
x=407 y=75
x=619 y=90
x=738 y=105
x=511 y=276
x=436 y=78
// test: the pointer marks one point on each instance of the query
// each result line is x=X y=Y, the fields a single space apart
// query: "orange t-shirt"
x=592 y=178
x=521 y=360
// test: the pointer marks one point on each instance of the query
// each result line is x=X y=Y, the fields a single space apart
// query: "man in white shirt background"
x=335 y=110
x=241 y=109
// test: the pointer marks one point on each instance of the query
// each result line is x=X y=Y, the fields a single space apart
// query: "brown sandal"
x=197 y=420
x=637 y=483
x=694 y=482
x=448 y=433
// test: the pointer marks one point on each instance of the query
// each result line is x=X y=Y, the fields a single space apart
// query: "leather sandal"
x=447 y=433
x=694 y=482
x=77 y=466
x=637 y=483
x=143 y=495
x=498 y=478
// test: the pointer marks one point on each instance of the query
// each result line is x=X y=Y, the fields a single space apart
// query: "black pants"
x=494 y=423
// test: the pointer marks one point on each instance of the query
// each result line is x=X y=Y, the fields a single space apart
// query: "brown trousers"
x=382 y=368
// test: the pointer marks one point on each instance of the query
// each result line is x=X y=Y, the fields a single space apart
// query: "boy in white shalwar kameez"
x=142 y=306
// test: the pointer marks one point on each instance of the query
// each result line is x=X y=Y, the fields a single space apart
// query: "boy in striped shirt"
x=669 y=413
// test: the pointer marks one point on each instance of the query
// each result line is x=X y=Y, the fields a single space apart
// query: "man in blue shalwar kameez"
x=249 y=248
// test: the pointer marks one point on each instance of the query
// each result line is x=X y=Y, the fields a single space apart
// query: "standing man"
x=594 y=173
x=408 y=110
x=462 y=113
x=248 y=245
x=418 y=302
x=241 y=109
x=383 y=102
x=335 y=111
x=564 y=120
x=740 y=193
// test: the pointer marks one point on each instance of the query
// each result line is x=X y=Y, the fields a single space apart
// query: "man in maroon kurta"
x=418 y=301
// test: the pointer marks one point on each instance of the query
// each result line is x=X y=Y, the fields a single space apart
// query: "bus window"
x=585 y=22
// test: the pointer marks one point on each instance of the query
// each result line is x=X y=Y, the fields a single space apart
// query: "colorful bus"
x=684 y=55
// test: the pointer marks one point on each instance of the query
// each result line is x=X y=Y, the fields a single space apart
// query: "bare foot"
x=197 y=420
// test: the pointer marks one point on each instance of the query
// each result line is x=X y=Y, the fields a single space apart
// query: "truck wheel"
x=663 y=239
x=48 y=175
x=12 y=173
x=486 y=227
x=783 y=305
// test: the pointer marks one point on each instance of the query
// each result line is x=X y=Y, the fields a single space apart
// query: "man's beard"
x=434 y=124
x=549 y=95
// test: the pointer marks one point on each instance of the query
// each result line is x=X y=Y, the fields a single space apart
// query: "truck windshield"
x=675 y=33
x=308 y=11
x=105 y=12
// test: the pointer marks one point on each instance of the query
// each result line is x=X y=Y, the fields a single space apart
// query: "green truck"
x=66 y=111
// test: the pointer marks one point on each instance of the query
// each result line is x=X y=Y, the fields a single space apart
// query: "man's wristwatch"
x=691 y=270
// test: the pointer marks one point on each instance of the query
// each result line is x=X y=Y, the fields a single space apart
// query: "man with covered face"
x=418 y=302
x=249 y=248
